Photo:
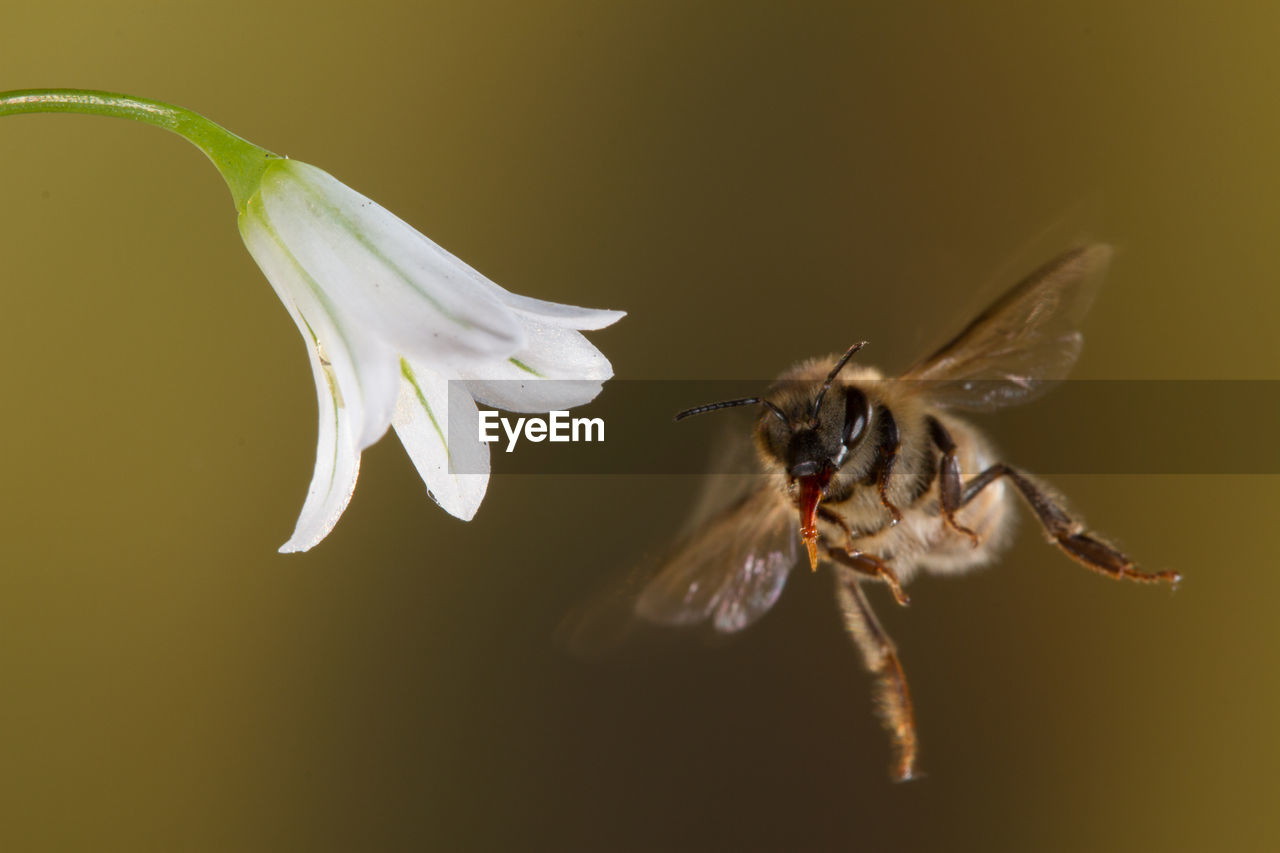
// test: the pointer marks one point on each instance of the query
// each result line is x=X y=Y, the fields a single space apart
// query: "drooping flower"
x=399 y=331
x=389 y=318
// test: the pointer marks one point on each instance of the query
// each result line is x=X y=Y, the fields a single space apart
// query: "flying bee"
x=878 y=478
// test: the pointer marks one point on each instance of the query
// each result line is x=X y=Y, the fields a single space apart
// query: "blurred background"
x=755 y=183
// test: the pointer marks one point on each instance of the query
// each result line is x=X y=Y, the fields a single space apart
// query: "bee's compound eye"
x=857 y=414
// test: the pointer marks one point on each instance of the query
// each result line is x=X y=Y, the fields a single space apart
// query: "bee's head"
x=811 y=437
x=818 y=434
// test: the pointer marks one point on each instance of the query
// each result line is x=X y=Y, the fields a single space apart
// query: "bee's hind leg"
x=881 y=658
x=1065 y=532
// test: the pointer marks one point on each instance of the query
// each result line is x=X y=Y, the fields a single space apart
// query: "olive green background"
x=754 y=183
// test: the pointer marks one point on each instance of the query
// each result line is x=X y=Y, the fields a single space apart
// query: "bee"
x=879 y=479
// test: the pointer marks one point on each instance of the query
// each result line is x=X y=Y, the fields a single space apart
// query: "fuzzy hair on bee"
x=884 y=493
x=880 y=479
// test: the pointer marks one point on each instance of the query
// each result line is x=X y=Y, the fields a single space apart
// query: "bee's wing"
x=730 y=571
x=1023 y=343
x=728 y=567
x=727 y=572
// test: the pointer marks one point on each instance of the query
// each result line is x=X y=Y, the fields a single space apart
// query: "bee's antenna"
x=728 y=404
x=831 y=377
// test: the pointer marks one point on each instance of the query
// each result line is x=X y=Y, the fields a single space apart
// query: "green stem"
x=241 y=163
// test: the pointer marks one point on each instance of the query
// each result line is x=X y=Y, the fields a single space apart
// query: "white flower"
x=389 y=318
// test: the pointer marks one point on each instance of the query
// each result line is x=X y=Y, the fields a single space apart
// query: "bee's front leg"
x=881 y=659
x=890 y=444
x=855 y=558
x=871 y=566
x=950 y=497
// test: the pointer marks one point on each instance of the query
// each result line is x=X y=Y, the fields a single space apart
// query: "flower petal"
x=422 y=300
x=361 y=367
x=557 y=314
x=354 y=375
x=437 y=422
x=560 y=369
x=337 y=466
x=541 y=311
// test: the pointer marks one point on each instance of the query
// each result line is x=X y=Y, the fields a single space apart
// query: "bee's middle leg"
x=881 y=658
